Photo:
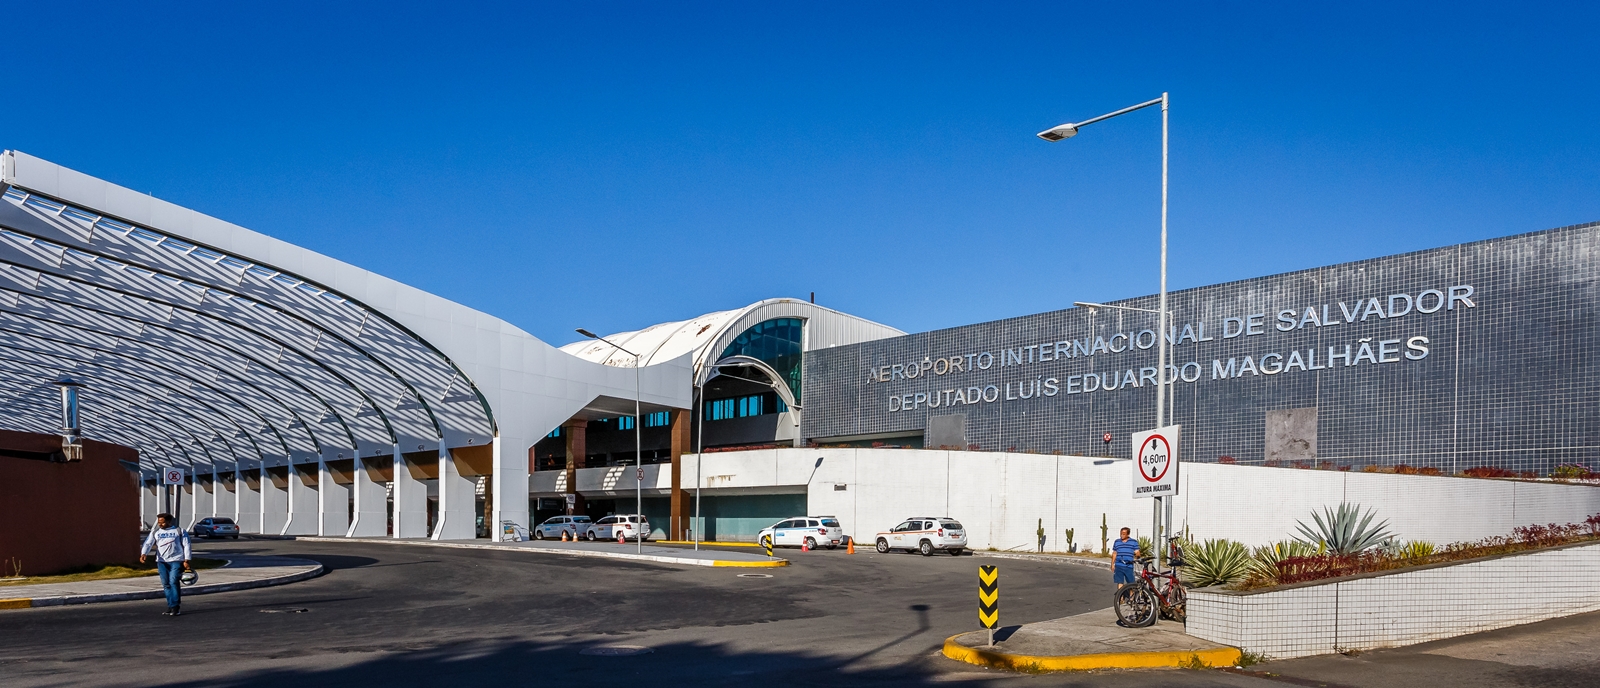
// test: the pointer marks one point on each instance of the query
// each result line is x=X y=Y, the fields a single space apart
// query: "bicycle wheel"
x=1136 y=606
x=1177 y=607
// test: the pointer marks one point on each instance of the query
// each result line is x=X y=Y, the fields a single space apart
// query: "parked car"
x=553 y=527
x=925 y=534
x=216 y=527
x=810 y=531
x=626 y=524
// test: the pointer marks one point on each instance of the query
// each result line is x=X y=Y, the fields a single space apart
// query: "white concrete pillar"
x=225 y=501
x=372 y=509
x=247 y=500
x=458 y=499
x=509 y=487
x=303 y=509
x=199 y=503
x=410 y=499
x=274 y=500
x=149 y=502
x=333 y=502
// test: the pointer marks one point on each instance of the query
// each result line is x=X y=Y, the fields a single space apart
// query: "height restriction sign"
x=172 y=476
x=1155 y=462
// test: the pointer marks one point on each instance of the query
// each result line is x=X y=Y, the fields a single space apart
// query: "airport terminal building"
x=302 y=395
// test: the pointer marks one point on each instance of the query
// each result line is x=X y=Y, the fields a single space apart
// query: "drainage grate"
x=286 y=610
x=616 y=650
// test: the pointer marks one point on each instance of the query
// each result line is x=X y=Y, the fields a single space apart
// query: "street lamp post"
x=638 y=440
x=1069 y=130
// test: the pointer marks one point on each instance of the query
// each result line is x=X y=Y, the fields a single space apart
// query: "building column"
x=680 y=500
x=200 y=503
x=333 y=497
x=458 y=498
x=371 y=511
x=302 y=500
x=225 y=502
x=150 y=502
x=274 y=499
x=508 y=488
x=410 y=496
x=576 y=434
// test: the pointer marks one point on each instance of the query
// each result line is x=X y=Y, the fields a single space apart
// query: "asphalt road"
x=404 y=615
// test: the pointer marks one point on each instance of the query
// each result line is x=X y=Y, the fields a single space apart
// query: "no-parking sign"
x=172 y=476
x=1155 y=462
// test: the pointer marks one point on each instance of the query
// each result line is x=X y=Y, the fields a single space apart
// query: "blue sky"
x=611 y=165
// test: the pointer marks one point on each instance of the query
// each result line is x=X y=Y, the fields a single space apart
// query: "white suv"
x=811 y=531
x=624 y=525
x=925 y=534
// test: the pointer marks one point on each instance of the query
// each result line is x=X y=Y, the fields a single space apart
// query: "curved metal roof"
x=207 y=345
x=707 y=336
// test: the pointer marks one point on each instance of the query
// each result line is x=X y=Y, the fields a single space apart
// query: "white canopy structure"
x=276 y=377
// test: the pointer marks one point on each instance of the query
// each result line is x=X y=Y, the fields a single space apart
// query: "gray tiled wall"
x=1508 y=380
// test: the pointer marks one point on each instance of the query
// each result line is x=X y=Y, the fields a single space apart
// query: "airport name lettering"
x=1368 y=350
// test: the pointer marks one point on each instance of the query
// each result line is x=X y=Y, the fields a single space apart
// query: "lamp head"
x=1065 y=131
x=588 y=334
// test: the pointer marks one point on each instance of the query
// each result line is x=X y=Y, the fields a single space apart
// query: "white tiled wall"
x=1401 y=608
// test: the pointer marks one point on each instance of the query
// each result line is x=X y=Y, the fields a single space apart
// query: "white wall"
x=999 y=496
x=1401 y=608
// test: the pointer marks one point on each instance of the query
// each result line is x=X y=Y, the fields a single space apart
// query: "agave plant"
x=1267 y=556
x=1416 y=549
x=1215 y=562
x=1345 y=531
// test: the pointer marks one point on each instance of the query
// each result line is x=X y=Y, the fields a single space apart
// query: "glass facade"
x=777 y=343
x=745 y=407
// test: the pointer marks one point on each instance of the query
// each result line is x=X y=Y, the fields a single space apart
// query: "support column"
x=411 y=495
x=225 y=503
x=333 y=497
x=680 y=500
x=247 y=492
x=458 y=497
x=576 y=432
x=371 y=510
x=199 y=503
x=274 y=499
x=149 y=502
x=508 y=488
x=302 y=500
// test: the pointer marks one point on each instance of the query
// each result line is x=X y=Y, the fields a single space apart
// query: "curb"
x=707 y=543
x=1224 y=656
x=568 y=552
x=204 y=589
x=1054 y=559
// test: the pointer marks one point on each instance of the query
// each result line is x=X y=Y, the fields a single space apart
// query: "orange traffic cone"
x=850 y=546
x=621 y=539
x=805 y=547
x=564 y=536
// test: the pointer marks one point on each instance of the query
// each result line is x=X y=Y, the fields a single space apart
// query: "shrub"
x=1416 y=550
x=1488 y=472
x=1266 y=557
x=1216 y=562
x=1573 y=471
x=1346 y=530
x=1226 y=459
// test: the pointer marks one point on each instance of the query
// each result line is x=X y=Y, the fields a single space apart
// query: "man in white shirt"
x=171 y=545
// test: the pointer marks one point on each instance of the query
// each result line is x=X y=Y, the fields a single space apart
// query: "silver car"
x=574 y=526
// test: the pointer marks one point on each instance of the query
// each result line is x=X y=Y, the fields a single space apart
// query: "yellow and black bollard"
x=766 y=543
x=989 y=599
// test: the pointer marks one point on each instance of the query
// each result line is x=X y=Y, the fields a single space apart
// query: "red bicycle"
x=1153 y=595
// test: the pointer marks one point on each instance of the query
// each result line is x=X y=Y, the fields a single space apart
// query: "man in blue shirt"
x=171 y=545
x=1127 y=552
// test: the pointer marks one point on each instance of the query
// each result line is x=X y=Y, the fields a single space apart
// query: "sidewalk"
x=1073 y=559
x=605 y=549
x=1087 y=641
x=242 y=572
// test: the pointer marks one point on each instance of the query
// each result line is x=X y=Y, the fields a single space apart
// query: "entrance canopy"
x=210 y=347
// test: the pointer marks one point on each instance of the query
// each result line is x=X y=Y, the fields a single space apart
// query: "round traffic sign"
x=173 y=476
x=1107 y=438
x=1155 y=457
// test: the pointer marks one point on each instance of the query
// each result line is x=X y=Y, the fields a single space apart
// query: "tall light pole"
x=1069 y=130
x=638 y=441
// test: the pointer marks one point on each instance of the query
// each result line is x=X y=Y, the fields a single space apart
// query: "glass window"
x=605 y=521
x=555 y=433
x=952 y=525
x=813 y=524
x=659 y=419
x=624 y=423
x=903 y=527
x=580 y=519
x=777 y=343
x=222 y=521
x=830 y=523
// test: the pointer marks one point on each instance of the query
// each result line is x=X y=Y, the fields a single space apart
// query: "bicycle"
x=1153 y=595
